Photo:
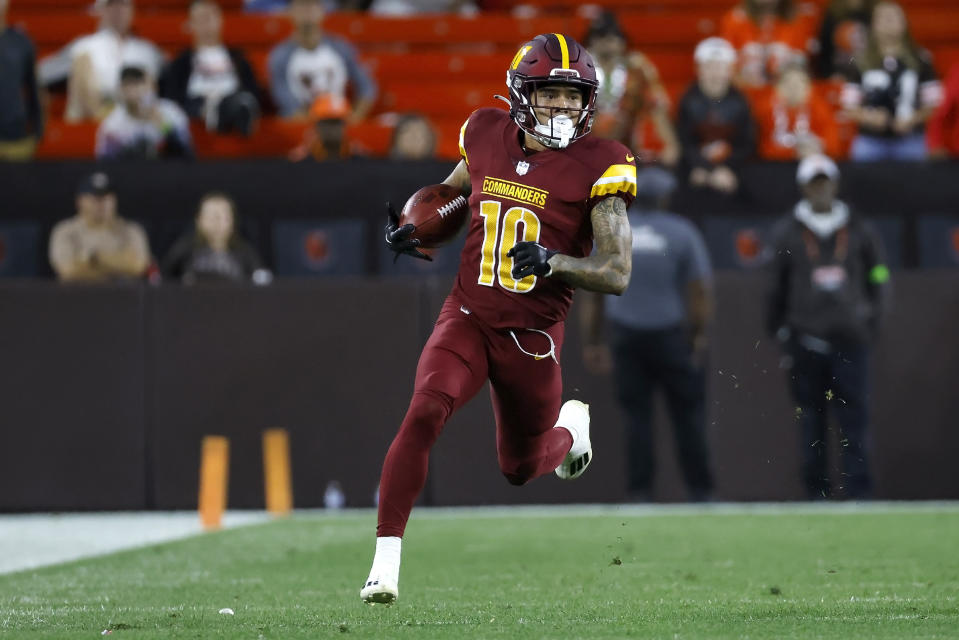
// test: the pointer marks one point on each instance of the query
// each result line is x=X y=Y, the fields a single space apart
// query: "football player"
x=542 y=191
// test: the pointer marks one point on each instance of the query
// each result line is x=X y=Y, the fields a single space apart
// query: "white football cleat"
x=379 y=591
x=574 y=417
x=382 y=587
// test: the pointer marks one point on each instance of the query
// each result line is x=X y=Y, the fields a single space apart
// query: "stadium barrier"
x=327 y=219
x=107 y=392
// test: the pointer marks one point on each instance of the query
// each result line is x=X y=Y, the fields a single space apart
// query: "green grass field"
x=878 y=572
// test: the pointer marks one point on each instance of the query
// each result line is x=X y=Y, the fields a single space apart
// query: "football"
x=438 y=212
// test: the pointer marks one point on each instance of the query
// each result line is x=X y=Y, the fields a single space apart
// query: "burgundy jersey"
x=543 y=197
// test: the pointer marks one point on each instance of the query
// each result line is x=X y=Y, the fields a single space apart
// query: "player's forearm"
x=608 y=269
x=600 y=273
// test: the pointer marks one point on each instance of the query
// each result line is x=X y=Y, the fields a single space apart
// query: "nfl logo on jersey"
x=522 y=167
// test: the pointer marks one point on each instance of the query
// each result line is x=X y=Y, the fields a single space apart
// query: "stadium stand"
x=442 y=66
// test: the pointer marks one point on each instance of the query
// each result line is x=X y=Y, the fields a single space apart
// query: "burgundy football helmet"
x=550 y=59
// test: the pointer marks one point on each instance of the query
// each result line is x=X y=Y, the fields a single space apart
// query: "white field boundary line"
x=658 y=510
x=30 y=541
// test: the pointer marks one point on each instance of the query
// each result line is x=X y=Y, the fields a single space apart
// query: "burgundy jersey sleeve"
x=543 y=197
x=615 y=167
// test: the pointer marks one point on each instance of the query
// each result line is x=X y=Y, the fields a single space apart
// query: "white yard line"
x=28 y=541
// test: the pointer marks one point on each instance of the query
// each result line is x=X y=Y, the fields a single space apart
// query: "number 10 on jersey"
x=498 y=239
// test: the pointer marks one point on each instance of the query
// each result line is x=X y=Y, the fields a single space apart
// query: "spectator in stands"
x=399 y=8
x=843 y=36
x=209 y=81
x=312 y=63
x=658 y=335
x=827 y=282
x=630 y=93
x=326 y=138
x=715 y=125
x=21 y=120
x=97 y=245
x=413 y=139
x=795 y=121
x=892 y=93
x=214 y=251
x=943 y=133
x=767 y=33
x=93 y=62
x=142 y=125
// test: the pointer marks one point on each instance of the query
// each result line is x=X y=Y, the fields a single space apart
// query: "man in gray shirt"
x=312 y=64
x=658 y=336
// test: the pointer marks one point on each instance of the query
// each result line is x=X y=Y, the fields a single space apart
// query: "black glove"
x=398 y=238
x=530 y=258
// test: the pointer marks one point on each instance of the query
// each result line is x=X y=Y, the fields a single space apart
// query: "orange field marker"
x=278 y=483
x=214 y=477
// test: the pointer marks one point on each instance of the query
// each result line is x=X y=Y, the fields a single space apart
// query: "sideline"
x=36 y=540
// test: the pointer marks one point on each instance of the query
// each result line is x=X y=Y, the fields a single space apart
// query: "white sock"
x=567 y=420
x=386 y=562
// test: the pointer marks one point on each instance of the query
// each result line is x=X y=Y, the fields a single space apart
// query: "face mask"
x=557 y=132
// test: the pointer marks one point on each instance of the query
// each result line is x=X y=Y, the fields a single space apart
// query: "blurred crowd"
x=99 y=245
x=780 y=80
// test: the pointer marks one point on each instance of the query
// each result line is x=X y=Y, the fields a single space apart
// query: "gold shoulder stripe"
x=620 y=186
x=618 y=178
x=463 y=142
x=564 y=48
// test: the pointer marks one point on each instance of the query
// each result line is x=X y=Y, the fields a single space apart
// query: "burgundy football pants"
x=461 y=354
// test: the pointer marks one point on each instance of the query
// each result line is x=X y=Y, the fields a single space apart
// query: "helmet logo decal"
x=564 y=48
x=519 y=56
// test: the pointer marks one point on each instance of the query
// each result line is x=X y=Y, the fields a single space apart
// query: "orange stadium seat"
x=672 y=66
x=933 y=25
x=674 y=29
x=438 y=66
x=50 y=30
x=440 y=98
x=143 y=6
x=274 y=138
x=63 y=140
x=484 y=29
x=946 y=57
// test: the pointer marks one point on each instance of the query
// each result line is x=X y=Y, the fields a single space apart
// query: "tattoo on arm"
x=460 y=178
x=608 y=269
